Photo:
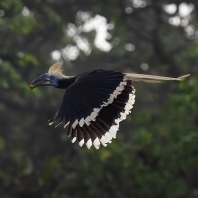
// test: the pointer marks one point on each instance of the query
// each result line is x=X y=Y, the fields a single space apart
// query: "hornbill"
x=95 y=102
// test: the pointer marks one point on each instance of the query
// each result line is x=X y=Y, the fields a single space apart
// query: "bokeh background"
x=156 y=150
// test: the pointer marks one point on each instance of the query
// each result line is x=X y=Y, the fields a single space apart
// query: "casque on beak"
x=41 y=80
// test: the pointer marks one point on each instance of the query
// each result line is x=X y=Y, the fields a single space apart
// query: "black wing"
x=94 y=105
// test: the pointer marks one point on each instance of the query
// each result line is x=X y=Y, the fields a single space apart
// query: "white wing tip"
x=73 y=140
x=81 y=143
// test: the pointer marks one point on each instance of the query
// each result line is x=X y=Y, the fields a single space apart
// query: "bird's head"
x=51 y=78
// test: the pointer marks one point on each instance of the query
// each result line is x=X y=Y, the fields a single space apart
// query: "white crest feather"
x=56 y=69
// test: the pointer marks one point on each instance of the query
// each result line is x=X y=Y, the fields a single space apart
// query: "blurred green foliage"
x=156 y=150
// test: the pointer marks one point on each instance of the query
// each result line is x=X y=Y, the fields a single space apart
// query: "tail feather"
x=152 y=78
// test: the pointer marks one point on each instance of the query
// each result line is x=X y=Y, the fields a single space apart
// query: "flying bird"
x=95 y=102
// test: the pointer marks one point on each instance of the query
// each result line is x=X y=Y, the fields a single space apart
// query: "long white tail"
x=151 y=78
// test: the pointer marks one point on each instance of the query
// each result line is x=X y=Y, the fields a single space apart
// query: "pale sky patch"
x=144 y=66
x=56 y=55
x=99 y=24
x=25 y=11
x=1 y=13
x=175 y=20
x=83 y=44
x=185 y=9
x=128 y=10
x=129 y=47
x=170 y=8
x=70 y=52
x=71 y=29
x=183 y=17
x=138 y=3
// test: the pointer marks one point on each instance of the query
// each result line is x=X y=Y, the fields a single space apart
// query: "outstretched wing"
x=94 y=105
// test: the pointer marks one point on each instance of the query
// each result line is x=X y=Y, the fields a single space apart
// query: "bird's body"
x=94 y=102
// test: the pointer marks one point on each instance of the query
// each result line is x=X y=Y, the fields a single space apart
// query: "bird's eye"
x=52 y=77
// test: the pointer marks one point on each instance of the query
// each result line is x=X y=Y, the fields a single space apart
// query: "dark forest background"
x=156 y=150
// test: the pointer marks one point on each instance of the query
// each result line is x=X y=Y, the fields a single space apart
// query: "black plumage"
x=94 y=102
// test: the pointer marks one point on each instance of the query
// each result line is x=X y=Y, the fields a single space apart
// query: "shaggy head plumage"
x=56 y=69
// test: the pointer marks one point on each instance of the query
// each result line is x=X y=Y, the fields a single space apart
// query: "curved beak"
x=41 y=80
